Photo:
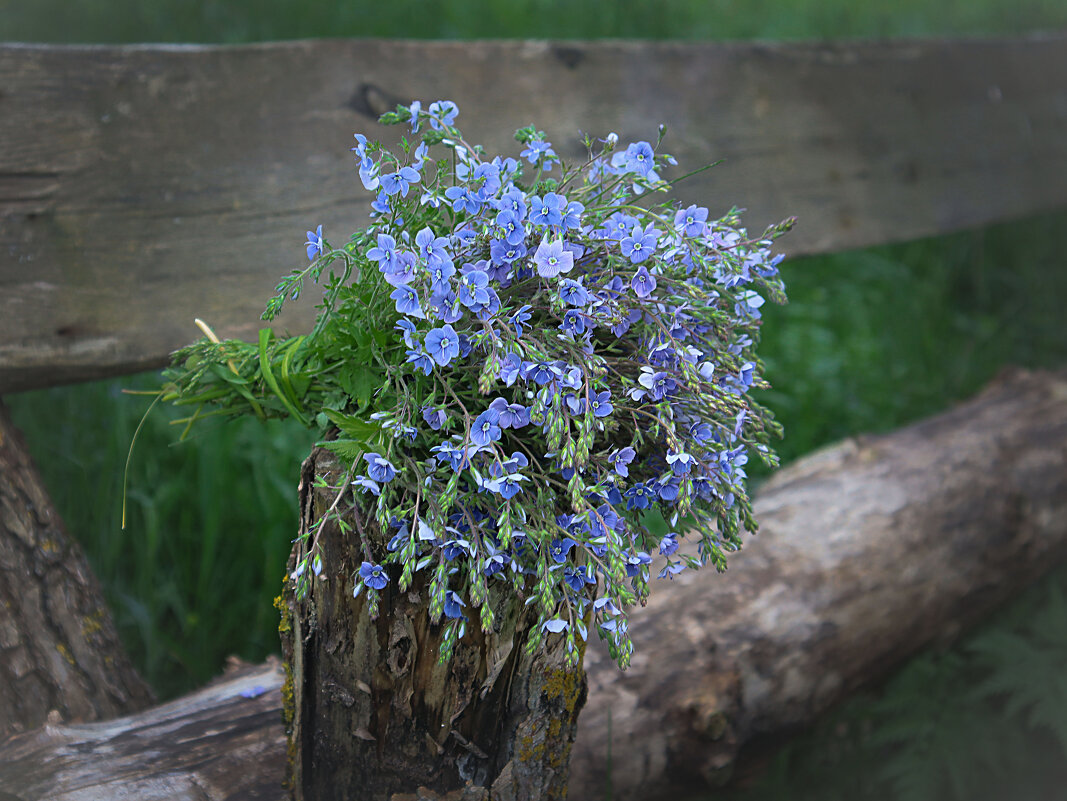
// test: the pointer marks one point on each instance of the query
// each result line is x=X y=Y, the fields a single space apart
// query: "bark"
x=60 y=656
x=868 y=551
x=375 y=716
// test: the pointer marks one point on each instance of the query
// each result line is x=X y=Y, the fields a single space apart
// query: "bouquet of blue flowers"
x=537 y=375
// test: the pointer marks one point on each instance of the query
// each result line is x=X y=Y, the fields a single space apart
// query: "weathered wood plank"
x=867 y=552
x=141 y=187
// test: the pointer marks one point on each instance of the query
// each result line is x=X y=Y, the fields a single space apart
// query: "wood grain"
x=143 y=186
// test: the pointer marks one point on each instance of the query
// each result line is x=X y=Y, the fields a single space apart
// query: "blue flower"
x=421 y=360
x=620 y=459
x=601 y=405
x=640 y=244
x=463 y=199
x=421 y=152
x=669 y=544
x=510 y=368
x=486 y=428
x=400 y=181
x=361 y=145
x=435 y=418
x=374 y=576
x=659 y=384
x=643 y=282
x=639 y=496
x=510 y=223
x=559 y=549
x=575 y=404
x=574 y=577
x=439 y=275
x=367 y=485
x=453 y=605
x=508 y=486
x=573 y=293
x=668 y=490
x=415 y=109
x=454 y=456
x=539 y=152
x=519 y=317
x=514 y=464
x=381 y=203
x=447 y=307
x=639 y=158
x=488 y=309
x=504 y=253
x=573 y=322
x=483 y=180
x=680 y=463
x=315 y=244
x=472 y=288
x=407 y=301
x=512 y=415
x=402 y=271
x=453 y=548
x=384 y=253
x=379 y=468
x=513 y=200
x=442 y=344
x=442 y=112
x=432 y=249
x=547 y=211
x=572 y=215
x=748 y=304
x=691 y=221
x=635 y=562
x=408 y=328
x=540 y=373
x=552 y=258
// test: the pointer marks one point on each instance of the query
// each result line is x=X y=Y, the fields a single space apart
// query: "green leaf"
x=350 y=450
x=368 y=433
x=360 y=383
x=268 y=376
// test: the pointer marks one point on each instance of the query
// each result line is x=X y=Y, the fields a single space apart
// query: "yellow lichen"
x=562 y=683
x=92 y=624
x=283 y=608
x=288 y=715
x=65 y=653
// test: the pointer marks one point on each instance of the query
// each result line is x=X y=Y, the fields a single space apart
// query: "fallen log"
x=223 y=742
x=60 y=654
x=868 y=551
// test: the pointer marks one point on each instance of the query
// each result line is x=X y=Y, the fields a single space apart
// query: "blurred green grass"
x=229 y=21
x=209 y=521
x=870 y=340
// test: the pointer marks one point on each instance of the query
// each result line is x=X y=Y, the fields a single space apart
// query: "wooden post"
x=371 y=712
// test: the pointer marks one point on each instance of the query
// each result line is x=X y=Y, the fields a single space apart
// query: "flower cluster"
x=564 y=385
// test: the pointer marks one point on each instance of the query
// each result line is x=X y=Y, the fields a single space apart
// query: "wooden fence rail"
x=141 y=187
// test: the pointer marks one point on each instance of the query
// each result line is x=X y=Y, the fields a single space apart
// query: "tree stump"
x=372 y=714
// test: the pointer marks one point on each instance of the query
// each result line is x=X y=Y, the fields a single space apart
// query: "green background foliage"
x=870 y=341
